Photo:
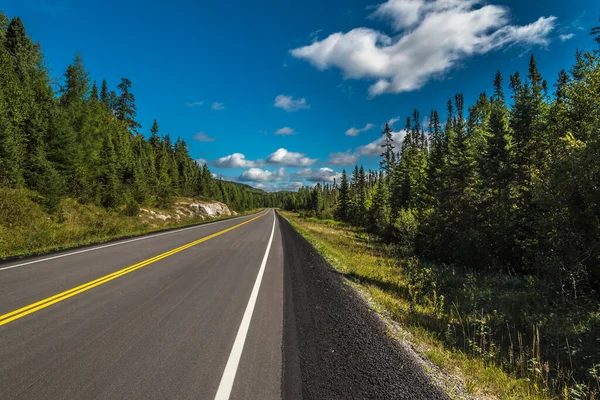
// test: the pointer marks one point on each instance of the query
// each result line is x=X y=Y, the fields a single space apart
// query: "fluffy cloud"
x=285 y=131
x=262 y=175
x=374 y=148
x=217 y=106
x=203 y=137
x=235 y=160
x=275 y=187
x=288 y=103
x=289 y=158
x=354 y=131
x=434 y=35
x=566 y=36
x=320 y=175
x=343 y=158
x=200 y=161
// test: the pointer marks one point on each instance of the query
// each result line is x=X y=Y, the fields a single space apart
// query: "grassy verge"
x=26 y=229
x=436 y=314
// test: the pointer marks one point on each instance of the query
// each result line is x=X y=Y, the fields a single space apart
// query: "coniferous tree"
x=125 y=108
x=386 y=164
x=343 y=206
x=94 y=92
x=108 y=175
x=104 y=94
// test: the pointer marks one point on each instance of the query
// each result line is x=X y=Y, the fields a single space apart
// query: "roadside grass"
x=452 y=317
x=27 y=229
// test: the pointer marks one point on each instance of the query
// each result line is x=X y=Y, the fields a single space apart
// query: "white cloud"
x=320 y=175
x=289 y=158
x=285 y=131
x=374 y=148
x=262 y=175
x=235 y=160
x=217 y=106
x=354 y=131
x=288 y=103
x=200 y=161
x=566 y=36
x=392 y=121
x=434 y=36
x=275 y=187
x=203 y=137
x=343 y=158
x=194 y=103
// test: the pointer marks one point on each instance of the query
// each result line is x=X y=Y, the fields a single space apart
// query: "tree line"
x=509 y=184
x=82 y=140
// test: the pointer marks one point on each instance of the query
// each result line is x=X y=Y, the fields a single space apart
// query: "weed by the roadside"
x=499 y=332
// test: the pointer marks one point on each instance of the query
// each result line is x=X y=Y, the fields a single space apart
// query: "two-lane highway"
x=195 y=313
x=238 y=309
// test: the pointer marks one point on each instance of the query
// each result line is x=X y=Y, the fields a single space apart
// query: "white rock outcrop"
x=213 y=209
x=189 y=209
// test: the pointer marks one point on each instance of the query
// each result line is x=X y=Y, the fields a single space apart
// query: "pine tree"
x=104 y=94
x=379 y=214
x=386 y=164
x=108 y=175
x=94 y=92
x=343 y=206
x=76 y=87
x=436 y=159
x=125 y=109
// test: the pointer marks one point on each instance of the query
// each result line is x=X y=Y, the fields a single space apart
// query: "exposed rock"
x=212 y=209
x=188 y=208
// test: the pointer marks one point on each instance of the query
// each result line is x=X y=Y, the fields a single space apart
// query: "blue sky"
x=282 y=93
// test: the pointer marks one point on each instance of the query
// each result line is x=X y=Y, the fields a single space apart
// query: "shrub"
x=404 y=231
x=132 y=209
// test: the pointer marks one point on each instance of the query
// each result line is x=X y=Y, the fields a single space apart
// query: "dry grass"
x=27 y=229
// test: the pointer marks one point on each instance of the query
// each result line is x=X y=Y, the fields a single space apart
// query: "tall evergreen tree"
x=386 y=164
x=104 y=94
x=343 y=206
x=125 y=109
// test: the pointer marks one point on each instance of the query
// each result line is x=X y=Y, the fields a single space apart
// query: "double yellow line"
x=21 y=312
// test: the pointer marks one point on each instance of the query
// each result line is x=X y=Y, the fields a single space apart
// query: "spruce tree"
x=104 y=94
x=108 y=175
x=125 y=109
x=387 y=164
x=343 y=206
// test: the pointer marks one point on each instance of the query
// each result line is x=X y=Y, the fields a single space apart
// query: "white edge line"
x=226 y=385
x=120 y=243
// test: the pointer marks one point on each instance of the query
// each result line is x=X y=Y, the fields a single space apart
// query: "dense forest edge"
x=75 y=166
x=494 y=213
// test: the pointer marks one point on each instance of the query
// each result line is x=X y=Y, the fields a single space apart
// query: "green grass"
x=454 y=317
x=27 y=229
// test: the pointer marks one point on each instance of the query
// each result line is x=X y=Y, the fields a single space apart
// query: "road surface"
x=196 y=313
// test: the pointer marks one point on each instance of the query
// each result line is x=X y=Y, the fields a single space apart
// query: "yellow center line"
x=31 y=308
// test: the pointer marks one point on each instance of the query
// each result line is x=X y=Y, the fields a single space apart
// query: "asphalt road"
x=196 y=313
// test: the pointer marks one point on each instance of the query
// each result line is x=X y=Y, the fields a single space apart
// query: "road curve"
x=196 y=313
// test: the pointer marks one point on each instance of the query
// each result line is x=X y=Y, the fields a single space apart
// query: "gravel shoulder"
x=335 y=346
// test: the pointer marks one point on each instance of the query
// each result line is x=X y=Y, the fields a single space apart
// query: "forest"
x=79 y=139
x=507 y=187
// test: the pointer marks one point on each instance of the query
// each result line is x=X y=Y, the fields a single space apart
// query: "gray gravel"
x=335 y=346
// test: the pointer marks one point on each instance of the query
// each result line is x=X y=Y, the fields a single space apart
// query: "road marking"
x=21 y=312
x=224 y=390
x=115 y=244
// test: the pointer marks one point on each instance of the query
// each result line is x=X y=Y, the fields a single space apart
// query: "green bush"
x=404 y=231
x=132 y=209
